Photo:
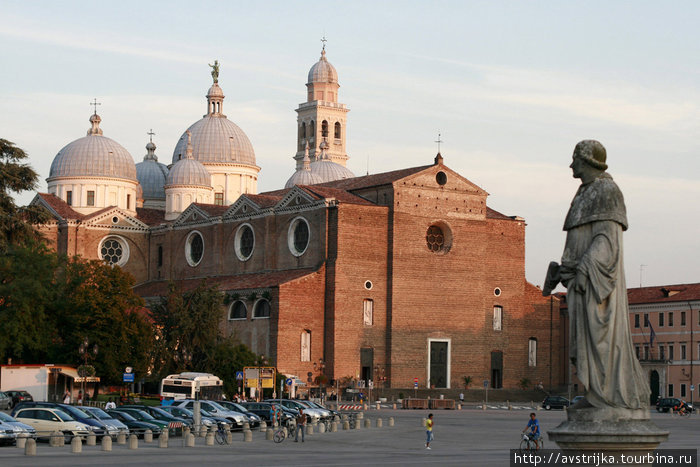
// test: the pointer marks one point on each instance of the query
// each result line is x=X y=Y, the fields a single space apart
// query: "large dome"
x=93 y=155
x=329 y=171
x=152 y=174
x=216 y=139
x=303 y=177
x=323 y=71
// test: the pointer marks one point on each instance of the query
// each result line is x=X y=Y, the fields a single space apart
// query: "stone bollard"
x=148 y=435
x=379 y=406
x=360 y=415
x=393 y=406
x=321 y=427
x=106 y=444
x=121 y=438
x=163 y=440
x=510 y=406
x=358 y=423
x=368 y=423
x=202 y=431
x=92 y=439
x=247 y=436
x=56 y=439
x=189 y=440
x=185 y=431
x=133 y=442
x=309 y=429
x=263 y=425
x=483 y=407
x=391 y=421
x=346 y=425
x=21 y=441
x=209 y=441
x=334 y=427
x=246 y=426
x=30 y=447
x=76 y=445
x=269 y=434
x=380 y=423
x=229 y=437
x=364 y=406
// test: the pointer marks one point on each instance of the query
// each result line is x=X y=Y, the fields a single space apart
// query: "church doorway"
x=366 y=364
x=654 y=385
x=496 y=369
x=439 y=364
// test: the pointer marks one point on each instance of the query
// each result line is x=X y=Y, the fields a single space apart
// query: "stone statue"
x=592 y=271
x=215 y=71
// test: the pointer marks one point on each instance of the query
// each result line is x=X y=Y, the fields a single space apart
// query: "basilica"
x=401 y=278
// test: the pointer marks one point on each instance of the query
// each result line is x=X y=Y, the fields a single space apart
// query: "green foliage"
x=467 y=381
x=524 y=383
x=16 y=223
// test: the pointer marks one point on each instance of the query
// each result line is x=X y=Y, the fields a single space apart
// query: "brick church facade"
x=388 y=277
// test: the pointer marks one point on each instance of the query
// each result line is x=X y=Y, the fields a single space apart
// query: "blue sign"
x=289 y=382
x=128 y=377
x=415 y=384
x=239 y=375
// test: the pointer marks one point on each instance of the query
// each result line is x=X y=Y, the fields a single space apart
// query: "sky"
x=511 y=87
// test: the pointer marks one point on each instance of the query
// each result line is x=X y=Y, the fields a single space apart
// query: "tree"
x=16 y=223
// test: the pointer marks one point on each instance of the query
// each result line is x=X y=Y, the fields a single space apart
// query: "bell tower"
x=322 y=118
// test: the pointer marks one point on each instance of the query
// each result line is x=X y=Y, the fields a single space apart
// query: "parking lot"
x=466 y=437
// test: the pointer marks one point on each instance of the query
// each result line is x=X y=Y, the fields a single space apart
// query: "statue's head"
x=592 y=153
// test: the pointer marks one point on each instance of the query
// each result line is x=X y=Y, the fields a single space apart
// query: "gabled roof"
x=493 y=214
x=341 y=195
x=367 y=181
x=265 y=200
x=150 y=216
x=214 y=210
x=664 y=293
x=57 y=206
x=236 y=282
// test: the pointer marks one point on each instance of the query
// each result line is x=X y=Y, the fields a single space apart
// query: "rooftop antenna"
x=641 y=269
x=439 y=141
x=95 y=103
x=151 y=134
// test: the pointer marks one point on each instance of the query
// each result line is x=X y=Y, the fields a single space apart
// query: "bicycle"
x=682 y=412
x=284 y=432
x=527 y=444
x=221 y=436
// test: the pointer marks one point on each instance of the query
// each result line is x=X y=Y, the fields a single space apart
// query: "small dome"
x=329 y=171
x=93 y=155
x=188 y=172
x=152 y=176
x=216 y=139
x=215 y=91
x=323 y=71
x=303 y=177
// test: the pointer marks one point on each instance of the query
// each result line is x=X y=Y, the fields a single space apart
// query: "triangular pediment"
x=441 y=177
x=295 y=198
x=114 y=218
x=243 y=206
x=192 y=214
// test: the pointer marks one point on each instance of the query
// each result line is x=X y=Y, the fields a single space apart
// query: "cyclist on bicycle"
x=682 y=408
x=534 y=426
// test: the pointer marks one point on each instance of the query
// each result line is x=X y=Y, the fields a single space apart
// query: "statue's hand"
x=579 y=284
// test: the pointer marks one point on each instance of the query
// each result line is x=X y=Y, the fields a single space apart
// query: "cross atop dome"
x=95 y=104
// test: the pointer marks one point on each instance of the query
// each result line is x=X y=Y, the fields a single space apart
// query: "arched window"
x=244 y=242
x=337 y=130
x=262 y=309
x=497 y=318
x=238 y=310
x=312 y=131
x=532 y=352
x=324 y=129
x=302 y=135
x=305 y=346
x=194 y=248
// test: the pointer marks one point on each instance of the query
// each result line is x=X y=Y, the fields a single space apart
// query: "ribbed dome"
x=93 y=155
x=329 y=171
x=303 y=177
x=152 y=176
x=323 y=71
x=215 y=91
x=188 y=172
x=216 y=139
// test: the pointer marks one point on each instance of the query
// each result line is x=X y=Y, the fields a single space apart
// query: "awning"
x=73 y=373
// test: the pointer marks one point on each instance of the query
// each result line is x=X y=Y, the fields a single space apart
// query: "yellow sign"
x=266 y=375
x=252 y=383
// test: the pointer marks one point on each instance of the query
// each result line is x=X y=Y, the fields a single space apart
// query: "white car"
x=237 y=418
x=46 y=420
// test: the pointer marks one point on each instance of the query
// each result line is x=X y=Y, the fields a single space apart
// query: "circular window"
x=438 y=238
x=298 y=236
x=194 y=248
x=238 y=311
x=114 y=251
x=497 y=292
x=115 y=219
x=244 y=242
x=441 y=178
x=368 y=285
x=262 y=309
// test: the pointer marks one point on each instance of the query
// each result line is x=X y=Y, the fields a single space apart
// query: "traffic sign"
x=692 y=387
x=486 y=383
x=239 y=375
x=289 y=382
x=415 y=380
x=370 y=384
x=415 y=384
x=128 y=377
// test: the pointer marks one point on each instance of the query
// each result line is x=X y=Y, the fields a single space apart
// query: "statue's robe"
x=600 y=338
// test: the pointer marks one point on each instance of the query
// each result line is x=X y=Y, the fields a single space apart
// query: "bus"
x=191 y=385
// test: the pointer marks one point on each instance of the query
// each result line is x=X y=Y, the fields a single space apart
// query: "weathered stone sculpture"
x=613 y=418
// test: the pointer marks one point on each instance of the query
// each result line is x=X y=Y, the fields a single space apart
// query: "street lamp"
x=321 y=368
x=85 y=353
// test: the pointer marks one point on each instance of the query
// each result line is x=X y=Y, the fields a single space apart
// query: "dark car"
x=669 y=403
x=140 y=416
x=555 y=402
x=175 y=424
x=83 y=417
x=253 y=419
x=135 y=426
x=187 y=414
x=262 y=410
x=19 y=396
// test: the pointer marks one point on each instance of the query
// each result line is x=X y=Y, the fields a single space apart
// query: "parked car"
x=311 y=414
x=237 y=419
x=253 y=420
x=555 y=402
x=5 y=401
x=187 y=414
x=175 y=424
x=325 y=413
x=575 y=400
x=46 y=420
x=137 y=427
x=19 y=396
x=100 y=429
x=669 y=403
x=262 y=410
x=114 y=427
x=10 y=429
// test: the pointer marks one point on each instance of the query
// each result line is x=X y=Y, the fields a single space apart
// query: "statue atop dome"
x=215 y=71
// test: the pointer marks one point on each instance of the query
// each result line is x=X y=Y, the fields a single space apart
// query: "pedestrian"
x=273 y=414
x=429 y=431
x=301 y=422
x=110 y=404
x=80 y=397
x=461 y=397
x=66 y=398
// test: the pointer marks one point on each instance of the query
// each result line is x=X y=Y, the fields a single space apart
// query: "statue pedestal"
x=612 y=432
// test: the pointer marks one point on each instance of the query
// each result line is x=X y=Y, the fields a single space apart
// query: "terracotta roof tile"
x=150 y=216
x=493 y=214
x=367 y=181
x=265 y=200
x=341 y=195
x=237 y=282
x=664 y=293
x=61 y=207
x=214 y=210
